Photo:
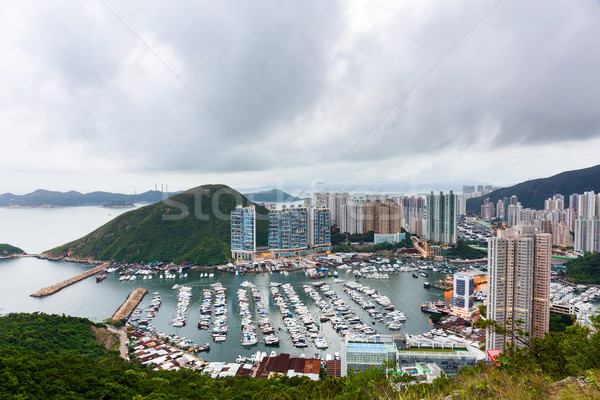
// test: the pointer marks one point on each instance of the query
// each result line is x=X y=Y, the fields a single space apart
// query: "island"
x=8 y=251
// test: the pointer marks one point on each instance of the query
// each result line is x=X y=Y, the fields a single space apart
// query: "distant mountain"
x=191 y=226
x=47 y=198
x=532 y=193
x=271 y=196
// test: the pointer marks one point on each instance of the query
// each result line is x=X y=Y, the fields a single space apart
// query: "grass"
x=497 y=384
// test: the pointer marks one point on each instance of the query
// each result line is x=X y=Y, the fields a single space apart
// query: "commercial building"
x=243 y=233
x=389 y=237
x=463 y=300
x=519 y=263
x=360 y=353
x=449 y=355
x=441 y=218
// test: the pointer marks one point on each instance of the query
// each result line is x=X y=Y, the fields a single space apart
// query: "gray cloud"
x=299 y=83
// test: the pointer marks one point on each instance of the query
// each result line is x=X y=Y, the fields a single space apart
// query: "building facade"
x=463 y=299
x=519 y=263
x=587 y=234
x=382 y=216
x=441 y=218
x=289 y=228
x=320 y=224
x=243 y=232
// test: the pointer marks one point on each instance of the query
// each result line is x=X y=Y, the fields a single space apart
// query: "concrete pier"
x=130 y=304
x=47 y=291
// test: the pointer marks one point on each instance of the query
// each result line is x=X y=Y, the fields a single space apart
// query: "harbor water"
x=99 y=300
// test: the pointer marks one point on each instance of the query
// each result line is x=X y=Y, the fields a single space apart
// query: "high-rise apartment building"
x=320 y=227
x=587 y=234
x=518 y=284
x=382 y=216
x=587 y=205
x=441 y=217
x=463 y=300
x=556 y=202
x=243 y=232
x=289 y=228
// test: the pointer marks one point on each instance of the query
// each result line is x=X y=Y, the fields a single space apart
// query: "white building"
x=463 y=300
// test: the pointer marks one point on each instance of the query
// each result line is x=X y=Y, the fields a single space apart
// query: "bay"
x=20 y=277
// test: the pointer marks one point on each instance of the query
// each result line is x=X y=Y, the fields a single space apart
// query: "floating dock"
x=47 y=291
x=130 y=304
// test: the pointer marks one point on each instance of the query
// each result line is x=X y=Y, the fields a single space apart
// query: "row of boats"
x=298 y=320
x=184 y=296
x=368 y=299
x=213 y=311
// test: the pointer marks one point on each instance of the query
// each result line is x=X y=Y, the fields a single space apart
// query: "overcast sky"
x=398 y=95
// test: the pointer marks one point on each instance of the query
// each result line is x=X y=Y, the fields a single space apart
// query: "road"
x=122 y=334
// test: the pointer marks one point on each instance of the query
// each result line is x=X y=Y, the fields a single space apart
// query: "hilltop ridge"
x=191 y=226
x=49 y=198
x=532 y=193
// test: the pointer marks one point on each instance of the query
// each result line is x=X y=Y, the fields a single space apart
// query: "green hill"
x=63 y=335
x=191 y=226
x=6 y=250
x=532 y=193
x=584 y=269
x=271 y=196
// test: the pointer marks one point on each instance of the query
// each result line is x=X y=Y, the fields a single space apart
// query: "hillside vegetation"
x=561 y=366
x=532 y=193
x=8 y=250
x=192 y=226
x=584 y=269
x=62 y=335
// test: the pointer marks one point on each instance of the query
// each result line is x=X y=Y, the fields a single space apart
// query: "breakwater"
x=130 y=304
x=47 y=291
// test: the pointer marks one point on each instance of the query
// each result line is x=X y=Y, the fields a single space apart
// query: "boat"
x=415 y=275
x=321 y=343
x=394 y=325
x=100 y=278
x=427 y=285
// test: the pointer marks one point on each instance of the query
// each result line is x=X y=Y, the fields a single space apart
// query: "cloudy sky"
x=398 y=95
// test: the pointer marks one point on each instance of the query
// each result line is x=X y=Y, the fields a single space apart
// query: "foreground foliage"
x=62 y=335
x=45 y=357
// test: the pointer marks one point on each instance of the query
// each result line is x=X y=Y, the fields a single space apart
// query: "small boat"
x=415 y=275
x=427 y=285
x=100 y=277
x=206 y=347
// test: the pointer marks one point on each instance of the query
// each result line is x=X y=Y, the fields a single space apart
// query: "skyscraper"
x=518 y=284
x=243 y=228
x=441 y=217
